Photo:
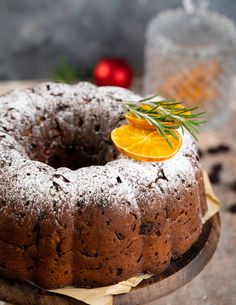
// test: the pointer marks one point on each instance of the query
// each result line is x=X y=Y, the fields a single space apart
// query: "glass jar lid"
x=193 y=33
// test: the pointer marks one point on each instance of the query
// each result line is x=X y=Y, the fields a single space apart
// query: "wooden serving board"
x=180 y=272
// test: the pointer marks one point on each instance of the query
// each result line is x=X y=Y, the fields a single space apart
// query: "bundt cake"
x=75 y=212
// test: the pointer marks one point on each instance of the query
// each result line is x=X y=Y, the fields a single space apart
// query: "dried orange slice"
x=143 y=144
x=137 y=122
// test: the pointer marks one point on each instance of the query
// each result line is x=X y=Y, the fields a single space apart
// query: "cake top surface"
x=33 y=114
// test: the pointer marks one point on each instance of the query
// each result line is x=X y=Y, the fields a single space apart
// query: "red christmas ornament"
x=112 y=72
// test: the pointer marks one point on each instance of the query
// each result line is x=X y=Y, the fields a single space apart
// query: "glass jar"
x=189 y=56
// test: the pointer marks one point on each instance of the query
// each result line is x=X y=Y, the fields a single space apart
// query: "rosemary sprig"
x=161 y=113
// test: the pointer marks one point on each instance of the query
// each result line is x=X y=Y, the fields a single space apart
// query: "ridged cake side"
x=96 y=225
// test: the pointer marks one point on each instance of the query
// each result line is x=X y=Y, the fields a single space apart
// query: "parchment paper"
x=104 y=295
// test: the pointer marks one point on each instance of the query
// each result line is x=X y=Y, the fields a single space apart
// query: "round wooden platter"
x=180 y=272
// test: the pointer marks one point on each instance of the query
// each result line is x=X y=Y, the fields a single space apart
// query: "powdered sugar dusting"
x=122 y=183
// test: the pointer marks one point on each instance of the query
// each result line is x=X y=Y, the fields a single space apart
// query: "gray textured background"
x=37 y=35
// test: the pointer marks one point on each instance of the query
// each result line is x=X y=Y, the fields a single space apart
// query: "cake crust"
x=66 y=222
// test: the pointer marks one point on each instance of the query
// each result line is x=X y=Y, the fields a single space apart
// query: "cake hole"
x=58 y=249
x=3 y=266
x=118 y=179
x=120 y=236
x=20 y=215
x=97 y=127
x=90 y=150
x=30 y=268
x=119 y=271
x=54 y=205
x=88 y=254
x=81 y=122
x=145 y=228
x=134 y=215
x=133 y=227
x=161 y=175
x=42 y=215
x=27 y=203
x=70 y=149
x=98 y=268
x=139 y=259
x=161 y=189
x=25 y=247
x=66 y=145
x=42 y=119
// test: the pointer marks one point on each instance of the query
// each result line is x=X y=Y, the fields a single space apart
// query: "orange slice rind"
x=137 y=122
x=143 y=144
x=133 y=120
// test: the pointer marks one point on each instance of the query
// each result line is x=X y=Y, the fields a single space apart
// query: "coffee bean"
x=232 y=208
x=145 y=228
x=222 y=148
x=200 y=153
x=215 y=179
x=214 y=174
x=217 y=167
x=233 y=186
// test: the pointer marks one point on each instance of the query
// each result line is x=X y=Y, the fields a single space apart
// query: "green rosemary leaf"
x=163 y=133
x=148 y=98
x=173 y=134
x=166 y=116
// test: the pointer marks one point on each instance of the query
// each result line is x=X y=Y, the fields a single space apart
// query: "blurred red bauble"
x=112 y=72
